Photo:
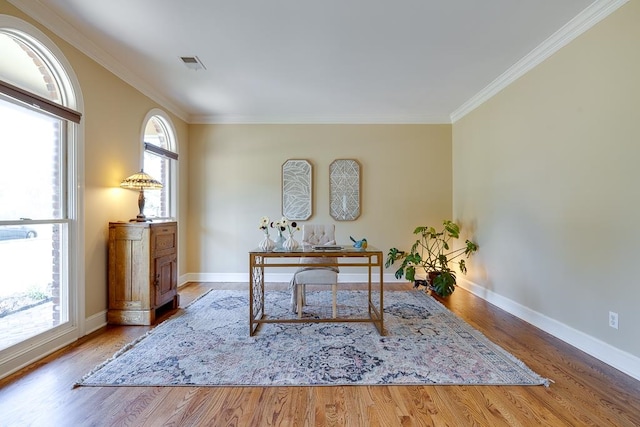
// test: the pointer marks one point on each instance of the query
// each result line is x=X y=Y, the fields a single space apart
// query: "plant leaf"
x=419 y=230
x=411 y=273
x=452 y=228
x=463 y=266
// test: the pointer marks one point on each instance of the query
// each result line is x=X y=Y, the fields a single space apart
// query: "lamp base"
x=141 y=218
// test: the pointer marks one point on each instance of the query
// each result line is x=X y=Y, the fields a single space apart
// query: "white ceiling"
x=329 y=61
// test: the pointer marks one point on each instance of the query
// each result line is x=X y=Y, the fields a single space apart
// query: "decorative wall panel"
x=344 y=188
x=297 y=189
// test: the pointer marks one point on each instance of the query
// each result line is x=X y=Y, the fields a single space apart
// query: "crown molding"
x=45 y=16
x=343 y=119
x=55 y=23
x=589 y=17
x=593 y=14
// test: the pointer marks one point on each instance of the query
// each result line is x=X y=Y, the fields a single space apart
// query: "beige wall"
x=546 y=173
x=113 y=115
x=235 y=178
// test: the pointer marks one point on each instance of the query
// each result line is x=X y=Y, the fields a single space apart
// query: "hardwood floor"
x=584 y=392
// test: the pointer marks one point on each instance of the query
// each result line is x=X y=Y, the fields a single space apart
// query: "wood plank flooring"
x=584 y=392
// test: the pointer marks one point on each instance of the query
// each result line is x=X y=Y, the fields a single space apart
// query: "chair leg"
x=334 y=289
x=300 y=298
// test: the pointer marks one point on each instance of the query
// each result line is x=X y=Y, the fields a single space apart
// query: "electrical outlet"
x=613 y=320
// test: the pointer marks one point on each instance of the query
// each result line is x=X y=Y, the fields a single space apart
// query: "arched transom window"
x=161 y=162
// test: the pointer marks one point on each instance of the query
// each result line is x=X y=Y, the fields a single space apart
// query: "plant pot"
x=431 y=276
x=447 y=285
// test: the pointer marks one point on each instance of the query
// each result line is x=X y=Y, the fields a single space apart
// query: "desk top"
x=304 y=250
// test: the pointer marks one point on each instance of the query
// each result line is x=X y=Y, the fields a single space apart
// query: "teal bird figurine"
x=359 y=244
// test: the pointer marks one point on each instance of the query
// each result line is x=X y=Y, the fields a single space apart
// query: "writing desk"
x=259 y=260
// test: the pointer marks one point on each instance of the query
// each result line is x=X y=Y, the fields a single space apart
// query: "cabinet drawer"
x=163 y=239
x=127 y=232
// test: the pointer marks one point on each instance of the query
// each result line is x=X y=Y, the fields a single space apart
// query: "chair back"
x=319 y=234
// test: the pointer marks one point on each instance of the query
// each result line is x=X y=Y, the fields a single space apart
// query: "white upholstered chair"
x=315 y=234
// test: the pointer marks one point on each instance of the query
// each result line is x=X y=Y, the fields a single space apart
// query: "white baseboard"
x=36 y=348
x=95 y=322
x=66 y=337
x=183 y=280
x=613 y=356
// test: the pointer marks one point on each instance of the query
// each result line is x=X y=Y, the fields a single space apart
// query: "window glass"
x=30 y=176
x=33 y=284
x=23 y=67
x=160 y=203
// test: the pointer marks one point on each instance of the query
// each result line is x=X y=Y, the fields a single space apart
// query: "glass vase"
x=279 y=241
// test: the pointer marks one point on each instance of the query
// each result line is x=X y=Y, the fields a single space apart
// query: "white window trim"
x=34 y=349
x=174 y=194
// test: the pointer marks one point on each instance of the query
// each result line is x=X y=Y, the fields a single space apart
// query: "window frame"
x=170 y=154
x=31 y=349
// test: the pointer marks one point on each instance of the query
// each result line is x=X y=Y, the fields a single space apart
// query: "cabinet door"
x=129 y=268
x=166 y=278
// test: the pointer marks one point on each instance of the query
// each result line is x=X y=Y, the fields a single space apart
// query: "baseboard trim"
x=95 y=322
x=613 y=356
x=36 y=350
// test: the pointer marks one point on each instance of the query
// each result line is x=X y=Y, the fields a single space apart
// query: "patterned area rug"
x=208 y=344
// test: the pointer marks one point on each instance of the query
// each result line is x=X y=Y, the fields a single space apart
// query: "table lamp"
x=141 y=181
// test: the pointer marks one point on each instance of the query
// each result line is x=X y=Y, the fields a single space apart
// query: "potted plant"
x=433 y=253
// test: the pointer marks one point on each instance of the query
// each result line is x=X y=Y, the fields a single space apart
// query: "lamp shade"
x=141 y=181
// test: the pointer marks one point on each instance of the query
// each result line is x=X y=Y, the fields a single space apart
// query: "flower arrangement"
x=264 y=225
x=284 y=225
x=290 y=226
x=280 y=226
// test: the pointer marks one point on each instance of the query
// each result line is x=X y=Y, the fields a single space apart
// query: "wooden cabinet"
x=143 y=271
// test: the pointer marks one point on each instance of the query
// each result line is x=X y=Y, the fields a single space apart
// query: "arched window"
x=161 y=162
x=41 y=278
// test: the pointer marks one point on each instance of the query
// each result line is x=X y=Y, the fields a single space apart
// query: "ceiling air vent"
x=193 y=63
